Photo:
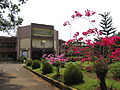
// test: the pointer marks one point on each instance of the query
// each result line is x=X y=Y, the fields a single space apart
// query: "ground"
x=14 y=77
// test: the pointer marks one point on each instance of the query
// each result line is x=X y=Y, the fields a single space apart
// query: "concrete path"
x=15 y=77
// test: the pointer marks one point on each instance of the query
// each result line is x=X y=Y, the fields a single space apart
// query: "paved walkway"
x=15 y=77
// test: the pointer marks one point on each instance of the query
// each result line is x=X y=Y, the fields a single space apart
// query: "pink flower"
x=76 y=59
x=62 y=60
x=78 y=14
x=86 y=59
x=87 y=13
x=76 y=52
x=66 y=23
x=93 y=21
x=73 y=16
x=88 y=42
x=93 y=12
x=97 y=60
x=77 y=33
x=85 y=33
x=81 y=38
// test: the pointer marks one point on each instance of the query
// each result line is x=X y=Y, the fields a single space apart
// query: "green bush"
x=36 y=64
x=72 y=75
x=43 y=60
x=29 y=62
x=115 y=70
x=47 y=68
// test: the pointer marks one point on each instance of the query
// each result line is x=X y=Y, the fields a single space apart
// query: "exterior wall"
x=42 y=32
x=24 y=32
x=62 y=46
x=7 y=48
x=40 y=43
x=56 y=42
x=25 y=43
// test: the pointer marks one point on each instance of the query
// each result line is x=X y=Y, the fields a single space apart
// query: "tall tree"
x=106 y=24
x=9 y=17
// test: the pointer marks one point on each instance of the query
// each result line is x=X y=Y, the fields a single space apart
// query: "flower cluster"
x=92 y=31
x=116 y=54
x=69 y=42
x=77 y=14
x=76 y=34
x=66 y=23
x=89 y=13
x=56 y=59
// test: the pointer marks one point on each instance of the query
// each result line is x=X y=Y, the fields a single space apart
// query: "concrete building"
x=7 y=48
x=62 y=46
x=31 y=41
x=36 y=39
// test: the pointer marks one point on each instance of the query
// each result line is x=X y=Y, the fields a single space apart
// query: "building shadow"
x=5 y=85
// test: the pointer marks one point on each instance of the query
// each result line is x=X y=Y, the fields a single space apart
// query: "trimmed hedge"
x=72 y=75
x=35 y=64
x=47 y=68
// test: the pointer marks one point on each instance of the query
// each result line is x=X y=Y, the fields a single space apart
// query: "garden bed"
x=90 y=80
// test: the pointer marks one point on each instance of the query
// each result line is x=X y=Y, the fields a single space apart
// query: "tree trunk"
x=103 y=84
x=101 y=74
x=58 y=71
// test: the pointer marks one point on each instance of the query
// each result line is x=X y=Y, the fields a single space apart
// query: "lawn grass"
x=90 y=80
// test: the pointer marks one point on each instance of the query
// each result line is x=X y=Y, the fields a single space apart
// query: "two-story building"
x=36 y=39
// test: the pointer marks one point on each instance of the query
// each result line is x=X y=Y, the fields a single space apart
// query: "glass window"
x=25 y=53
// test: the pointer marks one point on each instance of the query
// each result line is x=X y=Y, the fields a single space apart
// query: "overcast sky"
x=55 y=12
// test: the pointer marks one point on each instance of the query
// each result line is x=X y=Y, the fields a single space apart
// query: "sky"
x=56 y=12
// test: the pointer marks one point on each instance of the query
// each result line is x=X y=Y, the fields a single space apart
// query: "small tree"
x=57 y=61
x=106 y=24
x=100 y=52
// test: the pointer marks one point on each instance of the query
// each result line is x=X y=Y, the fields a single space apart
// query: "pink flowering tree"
x=101 y=52
x=56 y=60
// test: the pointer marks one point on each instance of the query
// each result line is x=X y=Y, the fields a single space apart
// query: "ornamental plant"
x=29 y=62
x=56 y=60
x=47 y=68
x=36 y=64
x=73 y=75
x=101 y=51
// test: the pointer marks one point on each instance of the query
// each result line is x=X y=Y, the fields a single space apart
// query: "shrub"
x=36 y=64
x=115 y=70
x=29 y=62
x=47 y=68
x=43 y=60
x=72 y=75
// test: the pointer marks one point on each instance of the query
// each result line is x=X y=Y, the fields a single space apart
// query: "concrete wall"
x=25 y=43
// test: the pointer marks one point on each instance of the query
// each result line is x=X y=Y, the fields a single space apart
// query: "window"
x=43 y=43
x=25 y=53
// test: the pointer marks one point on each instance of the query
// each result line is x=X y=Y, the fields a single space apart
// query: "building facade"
x=7 y=48
x=62 y=46
x=36 y=39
